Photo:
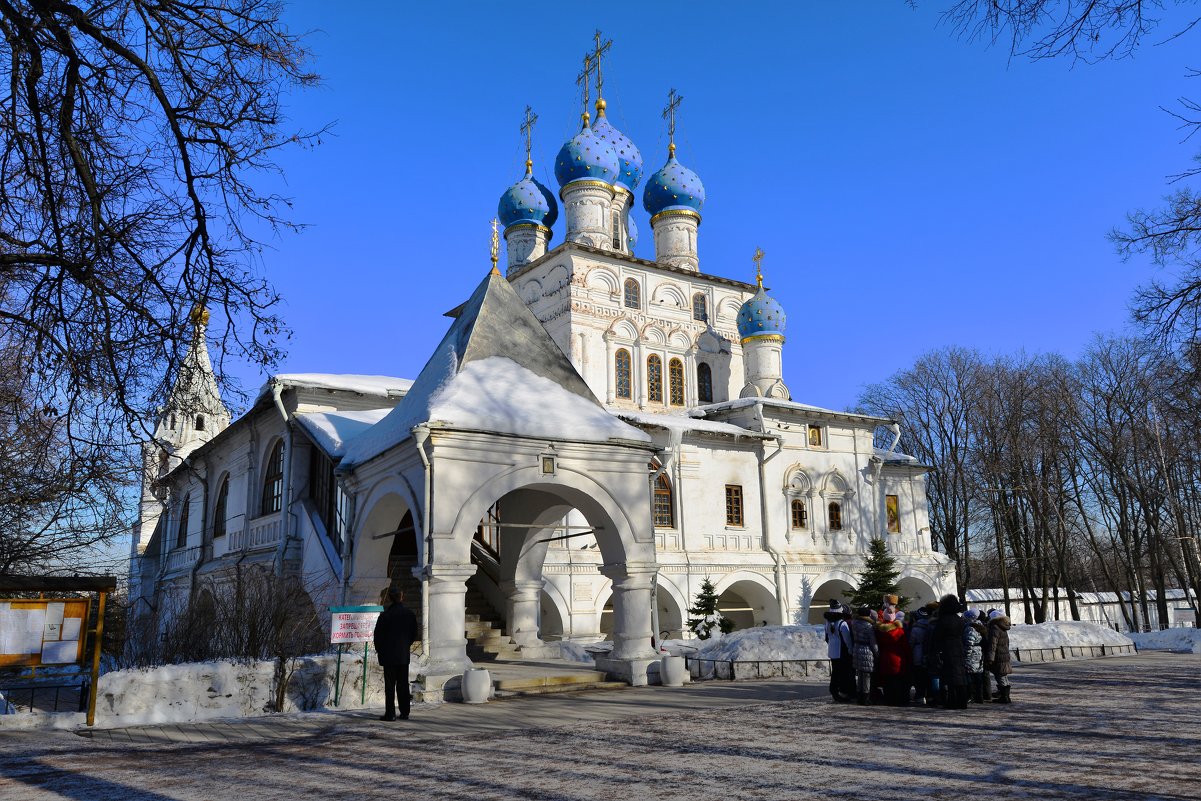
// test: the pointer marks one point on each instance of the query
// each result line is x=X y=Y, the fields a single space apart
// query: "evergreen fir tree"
x=879 y=578
x=707 y=618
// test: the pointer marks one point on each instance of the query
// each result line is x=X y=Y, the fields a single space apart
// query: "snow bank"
x=1062 y=633
x=222 y=689
x=1185 y=641
x=577 y=651
x=766 y=643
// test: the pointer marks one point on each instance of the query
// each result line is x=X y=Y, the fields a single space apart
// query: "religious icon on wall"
x=894 y=516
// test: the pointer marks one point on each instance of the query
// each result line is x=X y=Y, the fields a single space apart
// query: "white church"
x=595 y=435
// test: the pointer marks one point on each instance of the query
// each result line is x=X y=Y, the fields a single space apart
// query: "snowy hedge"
x=1186 y=641
x=1064 y=633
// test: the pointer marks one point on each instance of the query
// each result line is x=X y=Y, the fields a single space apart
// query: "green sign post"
x=352 y=624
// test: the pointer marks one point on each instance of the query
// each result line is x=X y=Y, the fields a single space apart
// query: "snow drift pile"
x=1182 y=641
x=1064 y=633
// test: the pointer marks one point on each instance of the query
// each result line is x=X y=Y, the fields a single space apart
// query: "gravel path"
x=1101 y=730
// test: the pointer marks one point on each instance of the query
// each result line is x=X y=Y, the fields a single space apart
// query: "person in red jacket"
x=893 y=664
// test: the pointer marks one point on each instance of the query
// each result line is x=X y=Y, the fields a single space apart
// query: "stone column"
x=447 y=618
x=586 y=207
x=675 y=238
x=631 y=608
x=525 y=242
x=522 y=599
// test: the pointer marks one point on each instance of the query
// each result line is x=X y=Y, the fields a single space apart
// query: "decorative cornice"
x=664 y=215
x=763 y=338
x=605 y=255
x=585 y=183
x=527 y=226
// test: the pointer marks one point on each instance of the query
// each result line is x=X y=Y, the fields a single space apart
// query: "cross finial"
x=495 y=245
x=669 y=114
x=601 y=49
x=527 y=130
x=758 y=259
x=582 y=80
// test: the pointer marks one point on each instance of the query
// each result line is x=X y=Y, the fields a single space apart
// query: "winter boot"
x=862 y=699
x=1003 y=695
x=978 y=690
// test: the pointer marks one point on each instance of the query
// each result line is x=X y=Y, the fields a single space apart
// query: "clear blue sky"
x=911 y=190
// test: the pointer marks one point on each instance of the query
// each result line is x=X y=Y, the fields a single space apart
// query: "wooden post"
x=99 y=634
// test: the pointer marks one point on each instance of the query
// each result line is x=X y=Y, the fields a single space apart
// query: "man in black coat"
x=395 y=631
x=946 y=652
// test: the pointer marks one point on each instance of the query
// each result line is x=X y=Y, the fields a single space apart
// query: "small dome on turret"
x=586 y=157
x=673 y=187
x=527 y=201
x=762 y=315
x=629 y=160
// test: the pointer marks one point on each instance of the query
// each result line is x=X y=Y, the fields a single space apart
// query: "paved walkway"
x=1115 y=729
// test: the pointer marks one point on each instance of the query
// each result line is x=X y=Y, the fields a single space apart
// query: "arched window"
x=616 y=231
x=181 y=537
x=664 y=518
x=704 y=383
x=815 y=436
x=219 y=510
x=700 y=308
x=273 y=481
x=800 y=516
x=654 y=379
x=621 y=374
x=173 y=421
x=633 y=295
x=835 y=516
x=200 y=422
x=675 y=379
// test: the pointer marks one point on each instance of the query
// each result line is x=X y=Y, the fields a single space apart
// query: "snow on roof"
x=380 y=385
x=894 y=456
x=1015 y=594
x=333 y=430
x=473 y=382
x=679 y=422
x=498 y=395
x=743 y=403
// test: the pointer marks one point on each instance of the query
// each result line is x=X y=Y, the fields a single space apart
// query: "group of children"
x=941 y=655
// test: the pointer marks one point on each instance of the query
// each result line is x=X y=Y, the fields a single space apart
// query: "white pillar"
x=522 y=599
x=447 y=617
x=631 y=609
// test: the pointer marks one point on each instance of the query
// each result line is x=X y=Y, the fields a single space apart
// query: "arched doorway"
x=748 y=603
x=917 y=591
x=386 y=544
x=832 y=589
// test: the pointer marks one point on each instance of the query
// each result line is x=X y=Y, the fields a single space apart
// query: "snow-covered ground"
x=1090 y=730
x=1180 y=640
x=1062 y=633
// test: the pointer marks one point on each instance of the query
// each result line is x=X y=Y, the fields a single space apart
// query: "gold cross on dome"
x=669 y=114
x=582 y=80
x=758 y=259
x=495 y=244
x=527 y=130
x=601 y=49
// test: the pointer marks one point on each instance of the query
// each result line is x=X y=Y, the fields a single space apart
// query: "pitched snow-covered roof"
x=894 y=456
x=680 y=422
x=744 y=403
x=382 y=386
x=496 y=370
x=332 y=431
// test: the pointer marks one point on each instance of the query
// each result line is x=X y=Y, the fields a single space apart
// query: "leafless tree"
x=1091 y=31
x=132 y=133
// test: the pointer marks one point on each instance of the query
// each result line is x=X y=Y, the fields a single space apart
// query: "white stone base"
x=637 y=672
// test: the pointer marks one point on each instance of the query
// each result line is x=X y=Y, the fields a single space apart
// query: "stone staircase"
x=486 y=638
x=577 y=681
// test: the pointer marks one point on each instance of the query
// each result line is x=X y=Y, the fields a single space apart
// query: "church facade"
x=595 y=436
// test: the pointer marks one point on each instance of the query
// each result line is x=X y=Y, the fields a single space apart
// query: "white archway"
x=749 y=599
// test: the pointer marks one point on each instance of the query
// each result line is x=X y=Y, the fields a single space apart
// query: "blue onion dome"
x=629 y=160
x=760 y=316
x=673 y=188
x=586 y=157
x=527 y=201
